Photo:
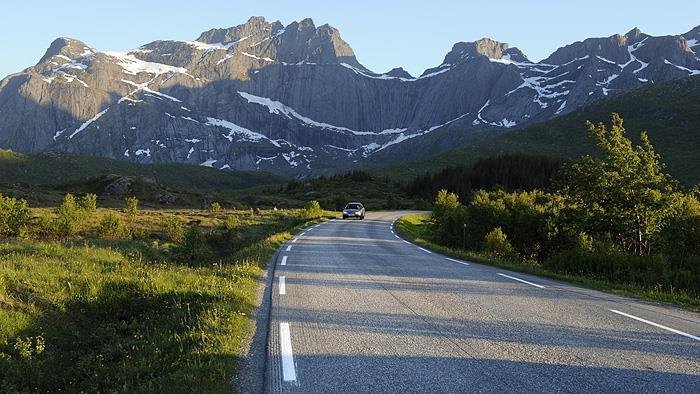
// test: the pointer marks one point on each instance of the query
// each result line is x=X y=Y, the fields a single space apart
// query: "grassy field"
x=416 y=228
x=127 y=313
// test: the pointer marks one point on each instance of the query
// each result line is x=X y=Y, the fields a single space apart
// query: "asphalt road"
x=356 y=309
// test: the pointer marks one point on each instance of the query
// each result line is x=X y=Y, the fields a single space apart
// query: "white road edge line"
x=397 y=237
x=289 y=373
x=295 y=239
x=425 y=250
x=282 y=286
x=289 y=248
x=457 y=261
x=655 y=324
x=521 y=280
x=284 y=260
x=406 y=241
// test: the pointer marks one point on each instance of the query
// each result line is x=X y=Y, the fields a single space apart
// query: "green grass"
x=93 y=315
x=669 y=111
x=416 y=228
x=55 y=169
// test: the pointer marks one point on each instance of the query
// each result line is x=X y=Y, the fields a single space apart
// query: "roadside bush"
x=132 y=208
x=496 y=244
x=215 y=207
x=194 y=248
x=69 y=217
x=88 y=203
x=173 y=229
x=312 y=209
x=110 y=227
x=657 y=271
x=14 y=216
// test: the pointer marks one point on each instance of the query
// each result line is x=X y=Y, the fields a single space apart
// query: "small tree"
x=69 y=216
x=625 y=194
x=496 y=244
x=313 y=209
x=215 y=207
x=14 y=216
x=132 y=208
x=445 y=202
x=88 y=203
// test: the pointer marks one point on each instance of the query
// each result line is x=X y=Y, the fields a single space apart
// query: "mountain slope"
x=670 y=112
x=56 y=169
x=294 y=99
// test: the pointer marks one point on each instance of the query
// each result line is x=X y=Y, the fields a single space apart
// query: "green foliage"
x=507 y=172
x=15 y=216
x=132 y=208
x=496 y=245
x=215 y=207
x=312 y=209
x=658 y=272
x=88 y=203
x=194 y=248
x=110 y=227
x=69 y=217
x=173 y=229
x=625 y=194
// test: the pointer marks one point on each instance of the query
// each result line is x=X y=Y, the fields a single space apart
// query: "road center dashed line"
x=457 y=261
x=673 y=330
x=284 y=260
x=289 y=373
x=521 y=280
x=282 y=285
x=289 y=248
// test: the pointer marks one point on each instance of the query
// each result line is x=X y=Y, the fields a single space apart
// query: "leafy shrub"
x=231 y=223
x=215 y=207
x=194 y=248
x=14 y=216
x=88 y=203
x=132 y=208
x=312 y=209
x=649 y=271
x=173 y=229
x=110 y=227
x=69 y=217
x=496 y=244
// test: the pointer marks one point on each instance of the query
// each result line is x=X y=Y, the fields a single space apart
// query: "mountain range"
x=295 y=100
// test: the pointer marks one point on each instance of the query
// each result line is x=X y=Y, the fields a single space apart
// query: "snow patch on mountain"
x=234 y=129
x=134 y=66
x=88 y=122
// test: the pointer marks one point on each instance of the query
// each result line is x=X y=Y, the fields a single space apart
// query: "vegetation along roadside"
x=617 y=223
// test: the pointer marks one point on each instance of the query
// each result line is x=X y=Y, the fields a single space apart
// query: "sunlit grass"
x=120 y=315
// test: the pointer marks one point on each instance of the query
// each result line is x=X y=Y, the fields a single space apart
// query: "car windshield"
x=353 y=206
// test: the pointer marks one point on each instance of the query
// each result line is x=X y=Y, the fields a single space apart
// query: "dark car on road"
x=354 y=210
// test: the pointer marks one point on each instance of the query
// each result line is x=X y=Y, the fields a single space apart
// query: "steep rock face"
x=295 y=99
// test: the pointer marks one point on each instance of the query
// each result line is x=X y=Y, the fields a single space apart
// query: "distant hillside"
x=54 y=169
x=669 y=111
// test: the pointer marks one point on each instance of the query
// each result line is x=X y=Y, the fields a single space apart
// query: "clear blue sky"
x=384 y=34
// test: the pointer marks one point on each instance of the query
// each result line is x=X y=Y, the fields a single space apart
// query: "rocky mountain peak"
x=399 y=72
x=634 y=34
x=484 y=47
x=67 y=47
x=255 y=26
